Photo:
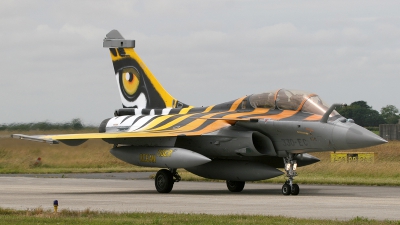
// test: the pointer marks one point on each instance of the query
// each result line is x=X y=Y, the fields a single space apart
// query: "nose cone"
x=351 y=136
x=359 y=137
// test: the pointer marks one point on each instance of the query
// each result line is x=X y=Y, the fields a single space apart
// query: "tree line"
x=365 y=116
x=74 y=124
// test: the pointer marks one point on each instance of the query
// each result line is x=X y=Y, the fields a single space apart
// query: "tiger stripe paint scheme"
x=242 y=140
x=187 y=123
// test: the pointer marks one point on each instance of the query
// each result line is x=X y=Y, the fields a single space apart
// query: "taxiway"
x=138 y=194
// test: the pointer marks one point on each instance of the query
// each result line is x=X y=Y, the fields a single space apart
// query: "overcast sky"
x=53 y=67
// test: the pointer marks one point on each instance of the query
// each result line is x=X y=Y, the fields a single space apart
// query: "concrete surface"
x=139 y=195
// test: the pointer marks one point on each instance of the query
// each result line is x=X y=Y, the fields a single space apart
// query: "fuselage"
x=240 y=130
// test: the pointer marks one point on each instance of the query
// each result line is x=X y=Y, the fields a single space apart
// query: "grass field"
x=19 y=156
x=40 y=216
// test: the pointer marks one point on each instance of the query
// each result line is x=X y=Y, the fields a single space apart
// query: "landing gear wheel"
x=235 y=186
x=286 y=189
x=290 y=169
x=295 y=189
x=164 y=181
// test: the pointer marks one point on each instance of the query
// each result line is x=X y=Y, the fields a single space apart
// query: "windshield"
x=264 y=100
x=290 y=100
x=315 y=105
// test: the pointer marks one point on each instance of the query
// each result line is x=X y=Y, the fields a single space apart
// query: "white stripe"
x=129 y=121
x=166 y=111
x=115 y=121
x=140 y=123
x=138 y=111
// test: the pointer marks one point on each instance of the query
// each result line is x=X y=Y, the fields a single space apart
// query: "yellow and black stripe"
x=202 y=121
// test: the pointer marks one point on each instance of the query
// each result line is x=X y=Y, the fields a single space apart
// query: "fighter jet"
x=246 y=139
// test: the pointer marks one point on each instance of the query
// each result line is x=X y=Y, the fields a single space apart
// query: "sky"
x=53 y=66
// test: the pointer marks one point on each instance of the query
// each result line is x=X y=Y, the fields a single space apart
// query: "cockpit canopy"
x=291 y=100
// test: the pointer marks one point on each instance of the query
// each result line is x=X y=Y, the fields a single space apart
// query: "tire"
x=295 y=189
x=286 y=190
x=235 y=186
x=164 y=181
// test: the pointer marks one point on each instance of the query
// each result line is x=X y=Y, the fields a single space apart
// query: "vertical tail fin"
x=138 y=87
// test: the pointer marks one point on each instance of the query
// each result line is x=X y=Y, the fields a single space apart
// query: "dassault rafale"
x=246 y=139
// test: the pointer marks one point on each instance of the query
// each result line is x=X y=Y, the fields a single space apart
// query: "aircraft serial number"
x=164 y=153
x=150 y=158
x=294 y=142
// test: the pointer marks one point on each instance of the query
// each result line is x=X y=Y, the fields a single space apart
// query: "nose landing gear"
x=289 y=188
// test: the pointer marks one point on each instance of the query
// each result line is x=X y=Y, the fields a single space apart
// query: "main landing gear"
x=235 y=186
x=165 y=179
x=289 y=188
